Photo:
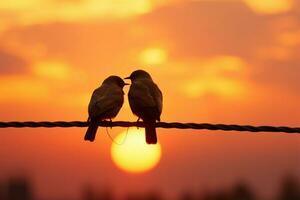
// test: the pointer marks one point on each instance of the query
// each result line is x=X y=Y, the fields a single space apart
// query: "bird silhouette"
x=105 y=103
x=145 y=100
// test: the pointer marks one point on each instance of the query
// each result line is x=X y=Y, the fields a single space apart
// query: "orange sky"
x=222 y=61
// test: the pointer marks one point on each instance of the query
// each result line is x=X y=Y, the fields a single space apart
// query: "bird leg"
x=138 y=120
x=110 y=122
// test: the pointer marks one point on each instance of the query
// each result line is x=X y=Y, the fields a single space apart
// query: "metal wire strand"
x=168 y=125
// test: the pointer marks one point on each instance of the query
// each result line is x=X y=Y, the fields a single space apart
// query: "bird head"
x=115 y=80
x=138 y=74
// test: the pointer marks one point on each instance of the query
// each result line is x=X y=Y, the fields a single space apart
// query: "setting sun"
x=135 y=156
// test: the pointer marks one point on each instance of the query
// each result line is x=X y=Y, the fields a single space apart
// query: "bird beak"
x=127 y=77
x=126 y=84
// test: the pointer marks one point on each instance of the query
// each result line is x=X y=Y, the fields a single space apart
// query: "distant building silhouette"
x=187 y=196
x=147 y=196
x=215 y=195
x=1 y=191
x=90 y=194
x=18 y=189
x=242 y=192
x=290 y=189
x=239 y=191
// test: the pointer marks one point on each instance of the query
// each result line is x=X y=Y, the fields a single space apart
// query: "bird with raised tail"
x=145 y=100
x=105 y=103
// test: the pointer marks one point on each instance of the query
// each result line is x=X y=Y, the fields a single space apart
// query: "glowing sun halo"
x=135 y=156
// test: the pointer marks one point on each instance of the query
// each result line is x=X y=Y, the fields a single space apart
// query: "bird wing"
x=140 y=94
x=157 y=95
x=145 y=95
x=104 y=99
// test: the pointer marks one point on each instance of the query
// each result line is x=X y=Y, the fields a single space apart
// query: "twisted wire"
x=168 y=125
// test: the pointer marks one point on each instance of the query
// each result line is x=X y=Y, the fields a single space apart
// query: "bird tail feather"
x=91 y=131
x=151 y=137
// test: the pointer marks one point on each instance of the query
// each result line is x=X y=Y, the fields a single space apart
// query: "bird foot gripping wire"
x=110 y=120
x=137 y=121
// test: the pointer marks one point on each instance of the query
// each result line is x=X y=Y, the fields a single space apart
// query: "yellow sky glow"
x=52 y=69
x=21 y=89
x=37 y=11
x=153 y=56
x=270 y=6
x=212 y=79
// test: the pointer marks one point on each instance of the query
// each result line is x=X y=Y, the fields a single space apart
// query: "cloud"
x=19 y=89
x=187 y=31
x=31 y=12
x=281 y=74
x=11 y=64
x=218 y=76
x=206 y=28
x=270 y=6
x=88 y=45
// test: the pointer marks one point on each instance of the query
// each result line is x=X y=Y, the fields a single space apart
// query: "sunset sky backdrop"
x=218 y=61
